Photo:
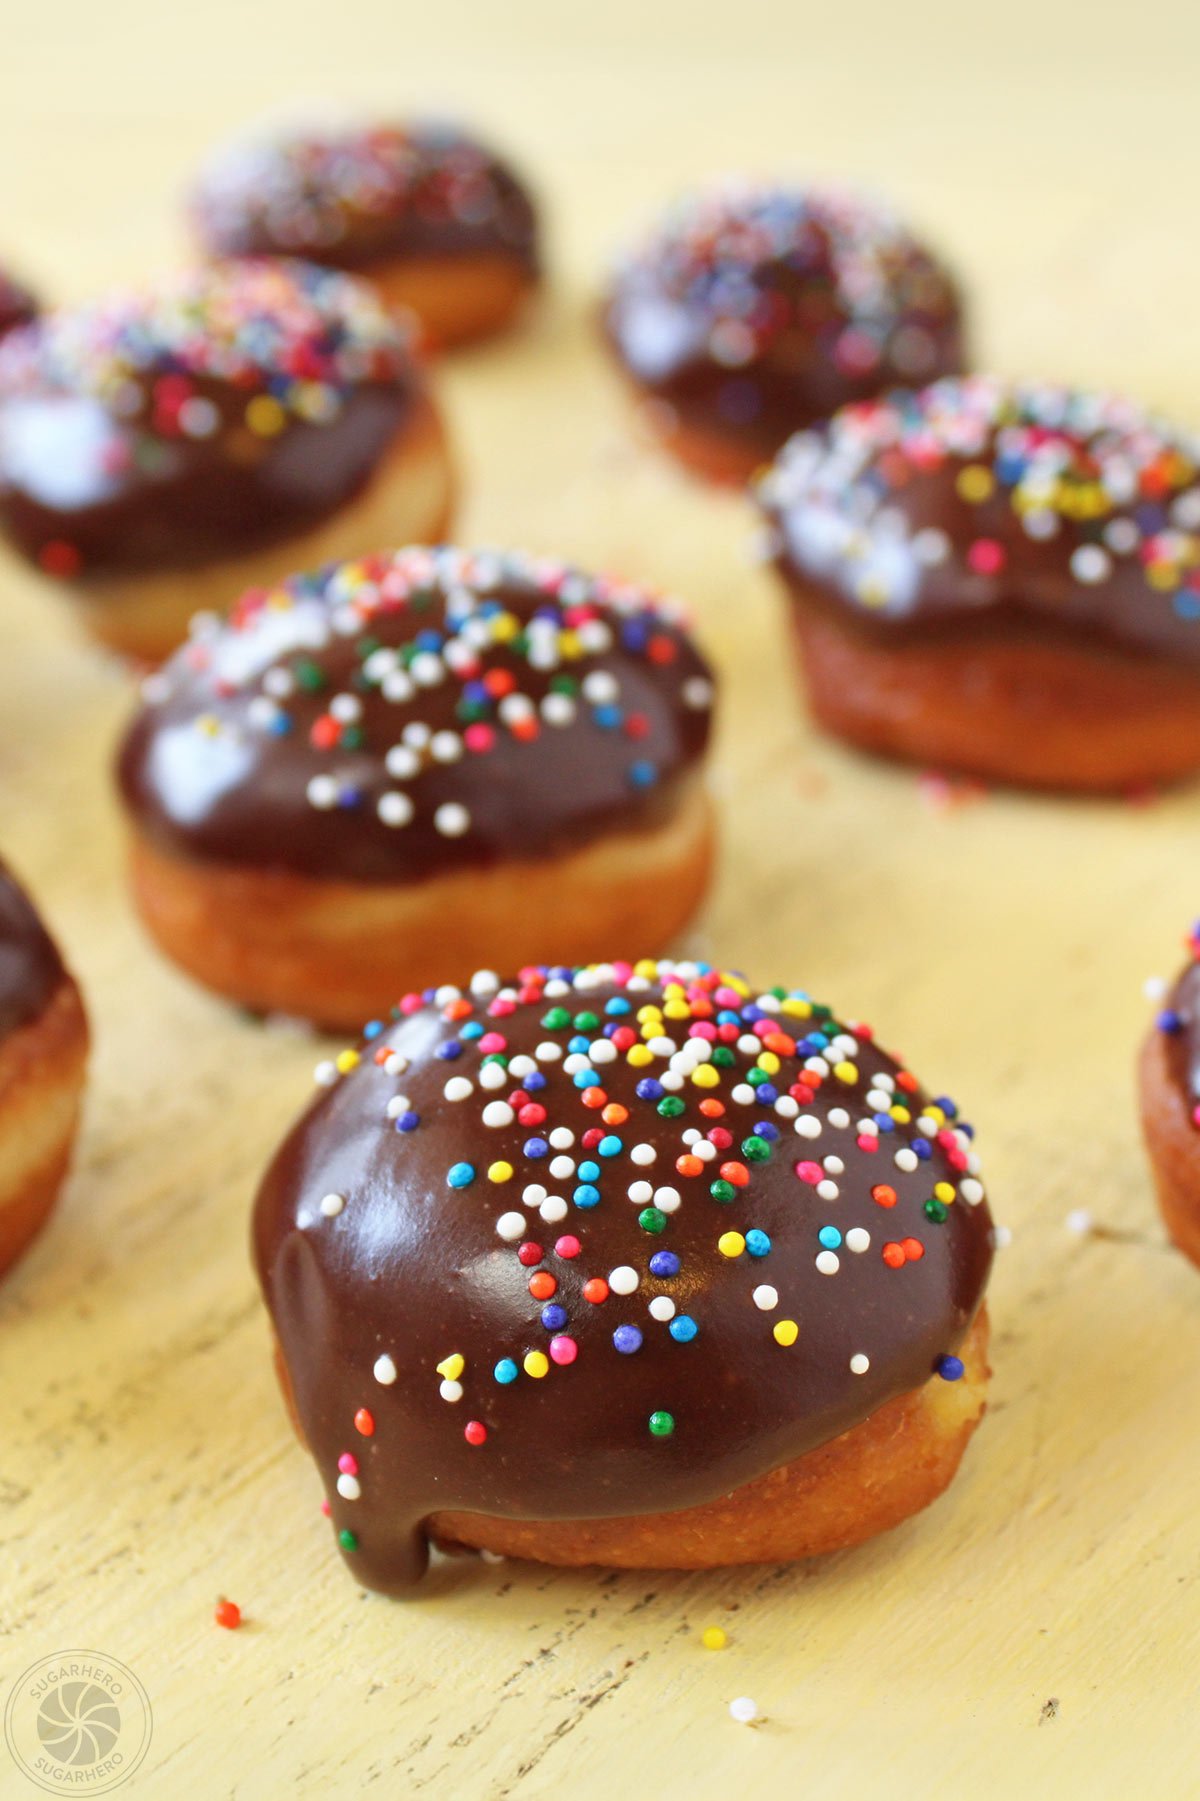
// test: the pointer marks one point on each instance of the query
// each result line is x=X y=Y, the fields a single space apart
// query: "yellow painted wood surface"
x=1036 y=1633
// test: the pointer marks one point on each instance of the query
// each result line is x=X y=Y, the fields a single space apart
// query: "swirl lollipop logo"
x=79 y=1720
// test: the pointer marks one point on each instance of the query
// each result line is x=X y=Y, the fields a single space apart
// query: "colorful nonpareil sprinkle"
x=420 y=709
x=975 y=493
x=751 y=270
x=342 y=191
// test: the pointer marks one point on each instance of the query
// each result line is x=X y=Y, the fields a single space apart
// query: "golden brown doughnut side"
x=1173 y=1143
x=409 y=499
x=712 y=455
x=42 y=1069
x=458 y=299
x=342 y=952
x=1009 y=709
x=867 y=1480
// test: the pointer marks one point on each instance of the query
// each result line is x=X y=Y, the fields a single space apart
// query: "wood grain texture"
x=1037 y=1632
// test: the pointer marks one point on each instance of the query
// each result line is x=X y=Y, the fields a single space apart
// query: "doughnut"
x=17 y=305
x=422 y=756
x=162 y=450
x=629 y=1265
x=755 y=311
x=1169 y=1076
x=43 y=1054
x=430 y=215
x=998 y=579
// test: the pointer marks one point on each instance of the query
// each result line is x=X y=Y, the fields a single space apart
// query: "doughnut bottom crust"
x=42 y=1069
x=1174 y=1146
x=1026 y=710
x=409 y=500
x=340 y=953
x=869 y=1479
x=458 y=299
x=727 y=458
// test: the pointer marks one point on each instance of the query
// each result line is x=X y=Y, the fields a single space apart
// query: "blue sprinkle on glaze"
x=683 y=1329
x=461 y=1175
x=449 y=1051
x=649 y=1090
x=627 y=1340
x=408 y=1122
x=536 y=1147
x=586 y=1195
x=588 y=1172
x=372 y=1029
x=950 y=1369
x=830 y=1237
x=505 y=1371
x=611 y=1146
x=642 y=774
x=757 y=1243
x=554 y=1317
x=664 y=1264
x=533 y=1081
x=763 y=1127
x=1169 y=1021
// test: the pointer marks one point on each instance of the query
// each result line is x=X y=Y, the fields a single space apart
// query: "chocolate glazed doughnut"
x=435 y=219
x=628 y=1265
x=17 y=305
x=423 y=755
x=1169 y=1075
x=162 y=450
x=43 y=1053
x=998 y=579
x=755 y=311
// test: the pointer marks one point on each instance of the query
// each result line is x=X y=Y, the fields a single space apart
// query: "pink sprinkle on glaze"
x=563 y=1350
x=348 y=1464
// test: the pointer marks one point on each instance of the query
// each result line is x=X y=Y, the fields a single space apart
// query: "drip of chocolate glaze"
x=376 y=1238
x=30 y=966
x=213 y=769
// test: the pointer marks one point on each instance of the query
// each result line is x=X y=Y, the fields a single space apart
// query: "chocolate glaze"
x=17 y=305
x=980 y=507
x=359 y=197
x=229 y=410
x=754 y=312
x=338 y=728
x=30 y=966
x=368 y=1247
